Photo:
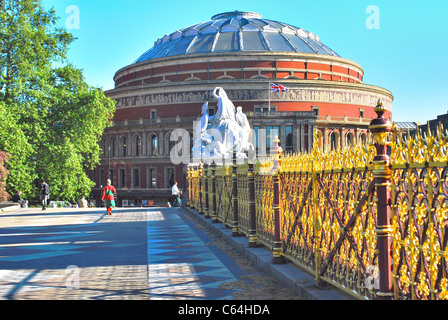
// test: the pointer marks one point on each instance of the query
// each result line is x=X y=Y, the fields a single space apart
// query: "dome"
x=237 y=32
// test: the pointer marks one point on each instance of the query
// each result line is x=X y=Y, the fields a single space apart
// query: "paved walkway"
x=180 y=263
x=156 y=253
x=73 y=254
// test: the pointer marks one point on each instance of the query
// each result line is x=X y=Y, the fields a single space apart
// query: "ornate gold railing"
x=373 y=225
x=328 y=216
x=419 y=204
x=243 y=198
x=194 y=199
x=264 y=202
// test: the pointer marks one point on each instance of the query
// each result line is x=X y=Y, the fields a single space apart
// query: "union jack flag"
x=276 y=87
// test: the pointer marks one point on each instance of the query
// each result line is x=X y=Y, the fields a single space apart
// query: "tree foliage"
x=3 y=175
x=50 y=119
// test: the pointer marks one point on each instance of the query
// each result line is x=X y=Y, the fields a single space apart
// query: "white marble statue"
x=241 y=119
x=226 y=109
x=200 y=133
x=220 y=135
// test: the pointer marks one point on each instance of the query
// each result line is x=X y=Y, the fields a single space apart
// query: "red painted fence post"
x=381 y=128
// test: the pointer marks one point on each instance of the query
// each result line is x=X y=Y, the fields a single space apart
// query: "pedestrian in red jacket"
x=108 y=196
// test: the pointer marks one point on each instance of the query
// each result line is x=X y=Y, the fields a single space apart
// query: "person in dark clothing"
x=17 y=197
x=44 y=193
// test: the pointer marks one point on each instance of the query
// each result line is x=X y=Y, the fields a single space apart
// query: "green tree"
x=3 y=175
x=50 y=119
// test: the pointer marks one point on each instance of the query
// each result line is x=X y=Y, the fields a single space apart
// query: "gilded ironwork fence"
x=264 y=203
x=328 y=216
x=373 y=225
x=224 y=190
x=419 y=203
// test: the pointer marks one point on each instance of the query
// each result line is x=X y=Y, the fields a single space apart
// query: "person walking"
x=44 y=193
x=108 y=195
x=175 y=194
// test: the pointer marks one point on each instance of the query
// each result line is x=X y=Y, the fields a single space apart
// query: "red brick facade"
x=155 y=97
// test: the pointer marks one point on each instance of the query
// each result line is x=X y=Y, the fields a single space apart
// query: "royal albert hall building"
x=165 y=88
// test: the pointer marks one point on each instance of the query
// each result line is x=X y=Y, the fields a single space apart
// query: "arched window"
x=123 y=146
x=349 y=139
x=137 y=145
x=153 y=145
x=332 y=140
x=103 y=147
x=112 y=147
x=363 y=138
x=169 y=144
x=289 y=142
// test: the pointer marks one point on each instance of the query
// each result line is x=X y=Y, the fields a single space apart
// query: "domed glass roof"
x=233 y=32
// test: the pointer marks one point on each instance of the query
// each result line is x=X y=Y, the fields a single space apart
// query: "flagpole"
x=269 y=105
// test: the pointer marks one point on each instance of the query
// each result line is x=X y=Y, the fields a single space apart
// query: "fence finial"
x=379 y=106
x=381 y=129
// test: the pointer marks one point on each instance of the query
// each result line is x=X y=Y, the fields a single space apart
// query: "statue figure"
x=241 y=119
x=226 y=109
x=219 y=135
x=200 y=132
x=203 y=122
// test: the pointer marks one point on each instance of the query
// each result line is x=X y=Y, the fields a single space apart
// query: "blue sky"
x=407 y=54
